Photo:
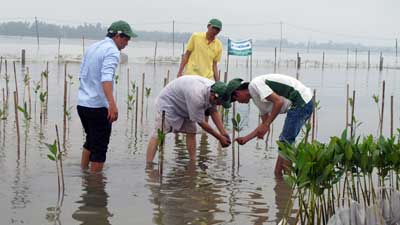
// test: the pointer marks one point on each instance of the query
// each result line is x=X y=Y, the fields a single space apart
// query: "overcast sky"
x=364 y=21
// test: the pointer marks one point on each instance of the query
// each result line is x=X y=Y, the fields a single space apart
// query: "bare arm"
x=218 y=123
x=225 y=142
x=112 y=107
x=215 y=70
x=263 y=128
x=184 y=61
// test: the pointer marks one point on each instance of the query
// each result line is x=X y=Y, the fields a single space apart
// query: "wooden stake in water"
x=369 y=59
x=137 y=108
x=313 y=118
x=382 y=108
x=391 y=115
x=7 y=79
x=347 y=106
x=352 y=115
x=275 y=61
x=323 y=60
x=142 y=103
x=16 y=82
x=37 y=31
x=127 y=94
x=23 y=58
x=173 y=38
x=155 y=54
x=83 y=46
x=298 y=61
x=47 y=89
x=17 y=121
x=59 y=50
x=356 y=59
x=29 y=94
x=380 y=63
x=65 y=106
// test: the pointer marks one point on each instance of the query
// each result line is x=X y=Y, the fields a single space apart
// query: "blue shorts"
x=295 y=119
x=98 y=131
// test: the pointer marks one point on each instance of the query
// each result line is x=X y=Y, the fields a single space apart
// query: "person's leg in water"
x=295 y=119
x=191 y=145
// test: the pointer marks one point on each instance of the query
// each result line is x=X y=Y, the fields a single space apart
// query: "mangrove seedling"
x=55 y=155
x=237 y=125
x=148 y=92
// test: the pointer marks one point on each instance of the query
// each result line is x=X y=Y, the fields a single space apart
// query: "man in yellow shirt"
x=203 y=53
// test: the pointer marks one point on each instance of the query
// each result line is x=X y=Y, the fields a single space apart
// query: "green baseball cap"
x=123 y=27
x=219 y=89
x=215 y=23
x=232 y=86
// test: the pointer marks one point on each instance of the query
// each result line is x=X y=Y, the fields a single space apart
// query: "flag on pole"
x=240 y=48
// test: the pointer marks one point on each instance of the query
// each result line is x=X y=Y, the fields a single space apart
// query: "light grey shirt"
x=185 y=98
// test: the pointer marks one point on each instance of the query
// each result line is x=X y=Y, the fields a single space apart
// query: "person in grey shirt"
x=186 y=101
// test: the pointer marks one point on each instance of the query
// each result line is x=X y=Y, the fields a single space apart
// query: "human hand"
x=112 y=112
x=241 y=140
x=225 y=141
x=225 y=134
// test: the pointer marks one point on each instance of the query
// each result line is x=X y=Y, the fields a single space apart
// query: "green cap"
x=219 y=89
x=121 y=27
x=232 y=86
x=215 y=23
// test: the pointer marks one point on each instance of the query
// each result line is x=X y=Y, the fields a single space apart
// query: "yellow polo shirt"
x=202 y=56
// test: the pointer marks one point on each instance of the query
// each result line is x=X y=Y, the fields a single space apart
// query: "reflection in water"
x=187 y=194
x=282 y=196
x=93 y=205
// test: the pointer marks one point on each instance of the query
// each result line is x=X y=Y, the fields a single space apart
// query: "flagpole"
x=227 y=60
x=251 y=60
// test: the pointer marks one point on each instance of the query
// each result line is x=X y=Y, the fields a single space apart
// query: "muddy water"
x=214 y=190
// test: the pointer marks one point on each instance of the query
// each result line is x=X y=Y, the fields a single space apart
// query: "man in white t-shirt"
x=274 y=94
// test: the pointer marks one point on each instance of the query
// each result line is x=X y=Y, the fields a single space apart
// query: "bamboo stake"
x=47 y=88
x=16 y=82
x=7 y=79
x=352 y=114
x=127 y=94
x=29 y=94
x=65 y=107
x=17 y=121
x=323 y=60
x=137 y=107
x=1 y=64
x=347 y=106
x=391 y=116
x=369 y=59
x=155 y=54
x=275 y=62
x=142 y=103
x=233 y=132
x=313 y=118
x=382 y=108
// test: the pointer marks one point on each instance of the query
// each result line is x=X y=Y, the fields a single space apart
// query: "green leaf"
x=51 y=157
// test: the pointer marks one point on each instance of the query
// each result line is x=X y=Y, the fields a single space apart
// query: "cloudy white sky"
x=364 y=21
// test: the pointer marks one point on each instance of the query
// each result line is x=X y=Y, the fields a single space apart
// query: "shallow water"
x=211 y=191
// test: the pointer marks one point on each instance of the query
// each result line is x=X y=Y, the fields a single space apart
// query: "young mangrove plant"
x=148 y=92
x=237 y=125
x=160 y=145
x=24 y=110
